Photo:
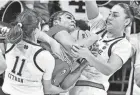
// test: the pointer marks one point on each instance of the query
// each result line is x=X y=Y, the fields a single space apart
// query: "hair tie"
x=19 y=24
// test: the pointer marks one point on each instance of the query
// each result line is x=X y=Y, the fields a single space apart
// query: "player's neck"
x=31 y=39
x=115 y=34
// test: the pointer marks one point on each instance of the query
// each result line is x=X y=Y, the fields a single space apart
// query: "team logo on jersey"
x=104 y=47
x=25 y=46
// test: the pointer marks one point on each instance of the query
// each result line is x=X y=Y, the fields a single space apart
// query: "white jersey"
x=27 y=65
x=119 y=46
x=134 y=40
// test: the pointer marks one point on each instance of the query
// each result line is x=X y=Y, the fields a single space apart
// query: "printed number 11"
x=21 y=67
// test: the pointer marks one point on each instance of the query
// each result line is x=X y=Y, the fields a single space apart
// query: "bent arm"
x=72 y=77
x=65 y=39
x=119 y=55
x=51 y=89
x=43 y=37
x=104 y=67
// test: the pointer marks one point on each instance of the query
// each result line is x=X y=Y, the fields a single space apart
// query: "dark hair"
x=25 y=23
x=56 y=16
x=82 y=25
x=128 y=11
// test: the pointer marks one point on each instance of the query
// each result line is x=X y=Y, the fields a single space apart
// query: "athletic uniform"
x=27 y=65
x=133 y=88
x=91 y=81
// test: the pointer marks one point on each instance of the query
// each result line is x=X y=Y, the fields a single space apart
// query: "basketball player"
x=29 y=67
x=134 y=80
x=62 y=25
x=114 y=49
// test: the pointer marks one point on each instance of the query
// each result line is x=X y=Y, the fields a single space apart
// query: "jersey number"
x=21 y=67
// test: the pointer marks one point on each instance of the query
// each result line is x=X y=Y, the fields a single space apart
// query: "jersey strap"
x=117 y=40
x=101 y=31
x=10 y=48
x=34 y=58
x=110 y=48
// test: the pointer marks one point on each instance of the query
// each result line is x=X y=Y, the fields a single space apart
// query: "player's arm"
x=119 y=56
x=92 y=9
x=61 y=35
x=72 y=78
x=46 y=61
x=46 y=39
x=137 y=70
x=96 y=21
x=3 y=65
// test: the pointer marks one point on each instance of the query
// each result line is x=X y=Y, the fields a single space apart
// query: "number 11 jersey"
x=24 y=73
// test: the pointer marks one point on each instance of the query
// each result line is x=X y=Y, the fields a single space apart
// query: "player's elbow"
x=65 y=86
x=108 y=70
x=49 y=90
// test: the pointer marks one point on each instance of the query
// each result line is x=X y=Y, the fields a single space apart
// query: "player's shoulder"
x=44 y=59
x=134 y=39
x=124 y=43
x=42 y=53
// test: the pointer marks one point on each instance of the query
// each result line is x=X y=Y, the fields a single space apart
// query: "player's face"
x=116 y=19
x=68 y=21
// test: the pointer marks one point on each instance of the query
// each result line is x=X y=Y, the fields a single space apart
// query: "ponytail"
x=15 y=34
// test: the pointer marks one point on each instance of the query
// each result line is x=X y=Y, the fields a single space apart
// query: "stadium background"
x=119 y=81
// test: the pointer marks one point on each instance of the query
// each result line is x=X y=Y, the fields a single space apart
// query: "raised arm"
x=92 y=9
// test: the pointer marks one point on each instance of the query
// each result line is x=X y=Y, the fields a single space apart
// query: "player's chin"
x=71 y=28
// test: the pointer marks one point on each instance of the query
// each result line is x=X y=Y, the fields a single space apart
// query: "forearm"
x=65 y=39
x=73 y=77
x=92 y=9
x=54 y=90
x=43 y=37
x=99 y=63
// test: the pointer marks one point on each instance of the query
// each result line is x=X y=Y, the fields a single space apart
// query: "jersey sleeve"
x=122 y=49
x=97 y=24
x=47 y=62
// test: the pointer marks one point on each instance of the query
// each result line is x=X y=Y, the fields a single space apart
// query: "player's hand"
x=4 y=30
x=80 y=52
